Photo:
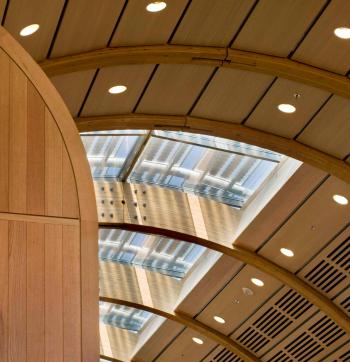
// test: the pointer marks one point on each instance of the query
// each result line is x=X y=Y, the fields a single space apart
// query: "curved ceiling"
x=222 y=68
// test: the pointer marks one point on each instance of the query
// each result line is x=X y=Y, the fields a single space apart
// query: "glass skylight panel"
x=120 y=316
x=109 y=155
x=220 y=144
x=167 y=256
x=224 y=175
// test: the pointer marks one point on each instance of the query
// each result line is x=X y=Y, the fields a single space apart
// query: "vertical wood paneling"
x=17 y=316
x=4 y=127
x=4 y=290
x=89 y=291
x=35 y=153
x=18 y=141
x=71 y=294
x=53 y=167
x=53 y=294
x=69 y=190
x=35 y=292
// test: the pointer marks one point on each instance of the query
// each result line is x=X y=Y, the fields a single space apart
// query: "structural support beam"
x=189 y=322
x=215 y=56
x=237 y=132
x=259 y=262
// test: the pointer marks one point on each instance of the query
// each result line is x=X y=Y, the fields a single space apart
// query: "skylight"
x=120 y=316
x=166 y=256
x=220 y=169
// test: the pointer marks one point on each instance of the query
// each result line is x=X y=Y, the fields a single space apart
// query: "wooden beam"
x=194 y=324
x=251 y=258
x=110 y=358
x=237 y=132
x=215 y=56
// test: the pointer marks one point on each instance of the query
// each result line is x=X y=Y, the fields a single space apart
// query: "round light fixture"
x=341 y=200
x=287 y=252
x=156 y=6
x=286 y=108
x=117 y=89
x=219 y=319
x=342 y=32
x=29 y=30
x=197 y=340
x=257 y=282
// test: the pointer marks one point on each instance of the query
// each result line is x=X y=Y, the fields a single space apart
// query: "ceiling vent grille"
x=345 y=357
x=318 y=337
x=272 y=322
x=332 y=270
x=226 y=356
x=346 y=304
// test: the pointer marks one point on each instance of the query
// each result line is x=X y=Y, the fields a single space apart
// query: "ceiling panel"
x=233 y=304
x=100 y=101
x=267 y=117
x=174 y=88
x=73 y=88
x=321 y=47
x=333 y=120
x=140 y=27
x=22 y=13
x=276 y=26
x=231 y=95
x=310 y=228
x=184 y=349
x=91 y=22
x=2 y=8
x=157 y=341
x=210 y=284
x=211 y=23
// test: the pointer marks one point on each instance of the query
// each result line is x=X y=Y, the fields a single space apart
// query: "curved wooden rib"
x=251 y=258
x=215 y=56
x=237 y=132
x=193 y=324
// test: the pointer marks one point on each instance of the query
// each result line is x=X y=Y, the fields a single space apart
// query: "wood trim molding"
x=251 y=258
x=200 y=55
x=193 y=324
x=237 y=132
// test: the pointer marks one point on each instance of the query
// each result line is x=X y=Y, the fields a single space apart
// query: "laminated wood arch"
x=197 y=326
x=236 y=132
x=251 y=258
x=201 y=55
x=48 y=221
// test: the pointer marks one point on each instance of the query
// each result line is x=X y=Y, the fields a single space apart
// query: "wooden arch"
x=48 y=221
x=251 y=258
x=197 y=326
x=201 y=55
x=236 y=132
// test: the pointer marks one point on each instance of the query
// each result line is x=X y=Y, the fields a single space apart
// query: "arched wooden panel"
x=48 y=221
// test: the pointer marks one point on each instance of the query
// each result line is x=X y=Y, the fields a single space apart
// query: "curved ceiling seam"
x=221 y=57
x=251 y=258
x=192 y=323
x=232 y=131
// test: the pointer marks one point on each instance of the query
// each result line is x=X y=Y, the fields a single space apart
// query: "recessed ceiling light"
x=156 y=6
x=29 y=30
x=342 y=32
x=197 y=340
x=219 y=319
x=287 y=252
x=117 y=89
x=341 y=200
x=286 y=108
x=257 y=282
